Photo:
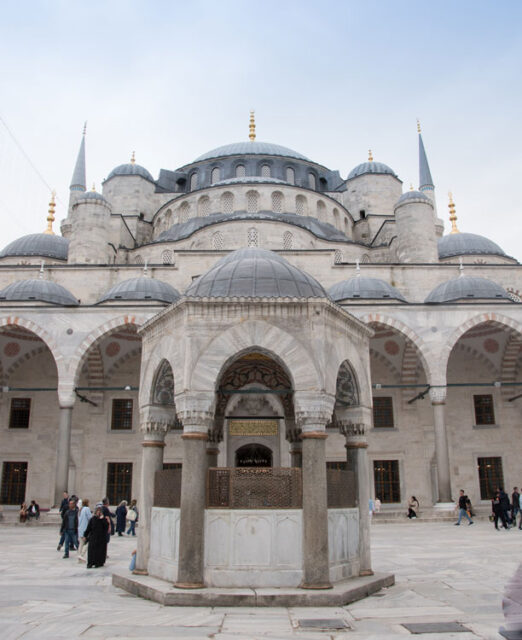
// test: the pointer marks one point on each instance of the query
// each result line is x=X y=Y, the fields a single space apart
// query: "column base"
x=140 y=572
x=366 y=572
x=190 y=585
x=324 y=585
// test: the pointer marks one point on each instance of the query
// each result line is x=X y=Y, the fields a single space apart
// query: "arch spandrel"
x=168 y=350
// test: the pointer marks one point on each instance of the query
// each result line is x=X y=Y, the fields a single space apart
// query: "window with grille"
x=20 y=413
x=217 y=241
x=14 y=479
x=167 y=257
x=277 y=202
x=484 y=413
x=288 y=240
x=266 y=171
x=290 y=175
x=194 y=181
x=338 y=256
x=138 y=260
x=227 y=202
x=311 y=181
x=251 y=202
x=184 y=212
x=491 y=476
x=171 y=465
x=383 y=412
x=387 y=481
x=337 y=465
x=204 y=206
x=121 y=414
x=119 y=482
x=252 y=237
x=215 y=175
x=240 y=171
x=300 y=206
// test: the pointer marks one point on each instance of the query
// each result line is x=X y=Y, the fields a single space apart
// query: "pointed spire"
x=50 y=217
x=425 y=179
x=252 y=127
x=370 y=156
x=453 y=215
x=78 y=179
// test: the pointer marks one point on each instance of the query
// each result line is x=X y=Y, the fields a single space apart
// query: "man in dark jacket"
x=463 y=508
x=64 y=505
x=504 y=504
x=70 y=527
x=515 y=505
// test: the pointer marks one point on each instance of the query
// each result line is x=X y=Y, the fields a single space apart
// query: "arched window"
x=227 y=202
x=184 y=212
x=168 y=218
x=251 y=204
x=301 y=206
x=215 y=175
x=365 y=259
x=277 y=202
x=240 y=171
x=138 y=259
x=252 y=237
x=194 y=181
x=167 y=257
x=321 y=211
x=336 y=218
x=217 y=241
x=338 y=256
x=311 y=181
x=159 y=222
x=288 y=240
x=204 y=206
x=266 y=171
x=290 y=175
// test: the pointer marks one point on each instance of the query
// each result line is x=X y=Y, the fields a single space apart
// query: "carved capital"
x=214 y=437
x=313 y=410
x=355 y=434
x=438 y=395
x=154 y=431
x=293 y=435
x=196 y=421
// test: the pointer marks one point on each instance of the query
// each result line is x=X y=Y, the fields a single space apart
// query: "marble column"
x=357 y=461
x=214 y=438
x=63 y=450
x=193 y=501
x=151 y=461
x=438 y=402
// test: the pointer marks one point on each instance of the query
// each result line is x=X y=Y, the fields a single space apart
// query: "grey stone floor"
x=443 y=574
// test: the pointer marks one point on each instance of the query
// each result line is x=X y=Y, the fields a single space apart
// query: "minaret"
x=78 y=182
x=426 y=185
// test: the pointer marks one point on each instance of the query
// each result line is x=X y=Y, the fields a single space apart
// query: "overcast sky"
x=329 y=79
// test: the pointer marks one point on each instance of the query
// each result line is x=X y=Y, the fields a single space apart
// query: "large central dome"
x=251 y=148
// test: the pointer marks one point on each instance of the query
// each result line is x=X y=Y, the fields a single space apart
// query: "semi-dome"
x=461 y=244
x=371 y=167
x=412 y=196
x=38 y=291
x=92 y=196
x=142 y=289
x=255 y=273
x=130 y=169
x=467 y=288
x=38 y=244
x=251 y=148
x=361 y=287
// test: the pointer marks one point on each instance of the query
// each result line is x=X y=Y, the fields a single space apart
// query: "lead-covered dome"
x=142 y=289
x=251 y=148
x=413 y=196
x=364 y=288
x=255 y=273
x=130 y=169
x=462 y=244
x=38 y=244
x=371 y=167
x=467 y=288
x=38 y=291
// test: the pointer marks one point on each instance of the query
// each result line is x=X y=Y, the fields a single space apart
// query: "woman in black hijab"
x=96 y=535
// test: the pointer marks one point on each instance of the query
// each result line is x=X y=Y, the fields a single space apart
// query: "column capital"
x=313 y=411
x=438 y=394
x=355 y=433
x=214 y=437
x=154 y=431
x=196 y=420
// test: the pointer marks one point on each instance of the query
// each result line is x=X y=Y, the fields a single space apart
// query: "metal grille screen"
x=167 y=488
x=341 y=488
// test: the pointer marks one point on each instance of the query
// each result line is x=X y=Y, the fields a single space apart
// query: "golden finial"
x=50 y=217
x=370 y=157
x=252 y=127
x=411 y=186
x=453 y=215
x=133 y=158
x=418 y=126
x=93 y=187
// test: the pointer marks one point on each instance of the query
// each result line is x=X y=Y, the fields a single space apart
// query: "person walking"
x=413 y=507
x=132 y=517
x=121 y=515
x=83 y=521
x=515 y=505
x=70 y=528
x=64 y=505
x=96 y=536
x=498 y=511
x=462 y=505
x=505 y=505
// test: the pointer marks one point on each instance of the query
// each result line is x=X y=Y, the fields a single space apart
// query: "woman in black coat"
x=121 y=515
x=96 y=535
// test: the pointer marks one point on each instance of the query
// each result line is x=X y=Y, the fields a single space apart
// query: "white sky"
x=172 y=80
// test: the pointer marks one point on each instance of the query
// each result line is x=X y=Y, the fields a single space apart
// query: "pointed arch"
x=162 y=389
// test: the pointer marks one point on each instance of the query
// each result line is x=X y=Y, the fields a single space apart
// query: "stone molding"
x=438 y=395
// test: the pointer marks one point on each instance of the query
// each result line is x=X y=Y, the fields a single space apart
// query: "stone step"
x=430 y=515
x=47 y=519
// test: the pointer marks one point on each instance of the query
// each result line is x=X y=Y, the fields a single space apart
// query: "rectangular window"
x=14 y=478
x=336 y=465
x=387 y=481
x=119 y=481
x=383 y=412
x=484 y=413
x=171 y=465
x=121 y=414
x=20 y=412
x=491 y=476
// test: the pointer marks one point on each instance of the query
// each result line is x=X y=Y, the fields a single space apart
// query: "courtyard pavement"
x=443 y=574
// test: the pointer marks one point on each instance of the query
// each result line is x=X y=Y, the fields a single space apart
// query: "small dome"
x=466 y=288
x=413 y=196
x=142 y=289
x=251 y=148
x=130 y=169
x=255 y=273
x=371 y=167
x=462 y=244
x=38 y=291
x=92 y=196
x=38 y=244
x=361 y=287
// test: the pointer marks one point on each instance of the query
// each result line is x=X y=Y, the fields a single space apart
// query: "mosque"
x=254 y=338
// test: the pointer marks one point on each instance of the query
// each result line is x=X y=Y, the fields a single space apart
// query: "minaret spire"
x=425 y=179
x=78 y=179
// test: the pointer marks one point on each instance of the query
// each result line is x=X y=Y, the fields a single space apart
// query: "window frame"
x=112 y=488
x=398 y=481
x=122 y=413
x=12 y=411
x=481 y=424
x=394 y=422
x=496 y=481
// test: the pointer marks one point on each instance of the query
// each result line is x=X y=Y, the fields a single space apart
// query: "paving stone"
x=434 y=627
